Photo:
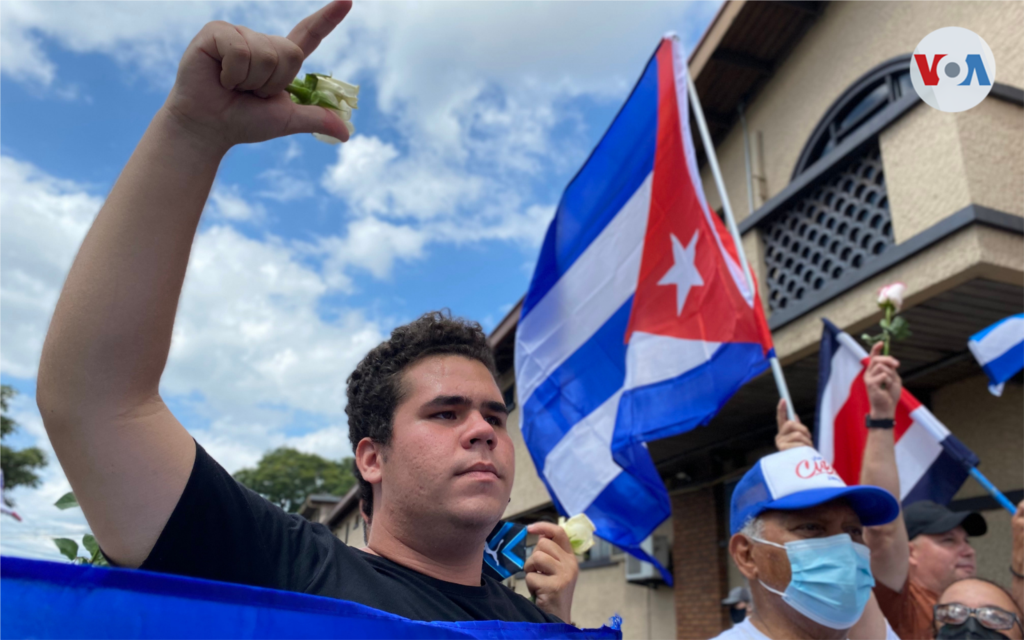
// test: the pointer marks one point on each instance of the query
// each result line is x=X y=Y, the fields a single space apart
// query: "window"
x=872 y=92
x=602 y=550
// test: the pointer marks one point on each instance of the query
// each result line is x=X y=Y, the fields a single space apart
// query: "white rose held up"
x=894 y=327
x=324 y=91
x=892 y=294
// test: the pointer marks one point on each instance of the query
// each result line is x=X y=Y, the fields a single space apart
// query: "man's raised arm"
x=890 y=551
x=126 y=456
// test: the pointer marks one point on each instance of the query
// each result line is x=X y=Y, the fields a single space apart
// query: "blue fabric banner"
x=56 y=600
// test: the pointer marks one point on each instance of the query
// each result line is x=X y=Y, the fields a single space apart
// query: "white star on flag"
x=684 y=272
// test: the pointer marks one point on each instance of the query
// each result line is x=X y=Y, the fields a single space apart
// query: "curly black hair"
x=375 y=387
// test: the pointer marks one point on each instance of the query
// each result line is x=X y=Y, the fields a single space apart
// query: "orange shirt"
x=909 y=610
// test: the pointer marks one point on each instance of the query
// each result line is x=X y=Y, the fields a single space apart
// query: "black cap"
x=737 y=595
x=928 y=517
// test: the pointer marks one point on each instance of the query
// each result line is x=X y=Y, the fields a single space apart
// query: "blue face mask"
x=831 y=579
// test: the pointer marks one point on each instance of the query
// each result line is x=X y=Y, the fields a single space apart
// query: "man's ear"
x=912 y=556
x=742 y=552
x=369 y=455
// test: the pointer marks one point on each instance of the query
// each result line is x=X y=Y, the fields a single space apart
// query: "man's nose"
x=479 y=430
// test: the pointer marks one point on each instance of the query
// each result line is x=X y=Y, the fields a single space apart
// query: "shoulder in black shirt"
x=221 y=530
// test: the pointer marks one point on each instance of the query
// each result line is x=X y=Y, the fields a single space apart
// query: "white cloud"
x=330 y=442
x=248 y=334
x=226 y=202
x=44 y=220
x=373 y=178
x=371 y=244
x=292 y=152
x=285 y=186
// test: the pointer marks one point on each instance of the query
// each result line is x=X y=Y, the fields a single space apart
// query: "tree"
x=17 y=464
x=286 y=477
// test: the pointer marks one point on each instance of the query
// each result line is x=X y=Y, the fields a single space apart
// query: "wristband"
x=1015 y=574
x=884 y=423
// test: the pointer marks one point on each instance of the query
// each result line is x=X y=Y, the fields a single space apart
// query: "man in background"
x=738 y=603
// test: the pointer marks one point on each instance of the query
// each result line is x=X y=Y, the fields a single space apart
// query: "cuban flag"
x=932 y=463
x=999 y=350
x=638 y=323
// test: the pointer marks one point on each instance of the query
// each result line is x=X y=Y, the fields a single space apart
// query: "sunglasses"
x=990 y=617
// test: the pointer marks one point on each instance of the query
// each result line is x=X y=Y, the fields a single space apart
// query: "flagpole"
x=991 y=488
x=709 y=149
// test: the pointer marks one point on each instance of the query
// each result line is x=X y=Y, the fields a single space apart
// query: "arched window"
x=876 y=89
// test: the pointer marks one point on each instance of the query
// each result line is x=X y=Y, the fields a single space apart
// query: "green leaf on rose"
x=66 y=501
x=68 y=547
x=89 y=542
x=900 y=328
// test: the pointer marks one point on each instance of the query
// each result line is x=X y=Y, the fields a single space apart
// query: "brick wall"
x=699 y=567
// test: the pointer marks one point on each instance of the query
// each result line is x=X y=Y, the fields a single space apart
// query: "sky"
x=473 y=118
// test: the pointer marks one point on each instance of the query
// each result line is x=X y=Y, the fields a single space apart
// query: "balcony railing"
x=830 y=227
x=832 y=230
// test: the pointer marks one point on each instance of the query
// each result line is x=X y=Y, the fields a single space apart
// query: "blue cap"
x=800 y=478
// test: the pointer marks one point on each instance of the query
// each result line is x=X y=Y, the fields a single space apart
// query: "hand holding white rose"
x=231 y=82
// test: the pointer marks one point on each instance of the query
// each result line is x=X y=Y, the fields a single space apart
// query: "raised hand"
x=883 y=383
x=551 y=570
x=230 y=84
x=792 y=433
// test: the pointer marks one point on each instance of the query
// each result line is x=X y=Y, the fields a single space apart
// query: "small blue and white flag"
x=999 y=350
x=639 y=323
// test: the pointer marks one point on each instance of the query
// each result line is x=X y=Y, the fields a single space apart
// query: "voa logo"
x=952 y=69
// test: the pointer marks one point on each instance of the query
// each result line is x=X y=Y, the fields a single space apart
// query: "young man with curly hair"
x=426 y=418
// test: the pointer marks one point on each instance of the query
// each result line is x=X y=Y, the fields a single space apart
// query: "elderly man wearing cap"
x=911 y=576
x=797 y=536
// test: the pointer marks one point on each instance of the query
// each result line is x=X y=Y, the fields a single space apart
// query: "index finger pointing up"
x=308 y=33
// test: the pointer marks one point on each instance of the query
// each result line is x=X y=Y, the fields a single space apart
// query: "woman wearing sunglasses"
x=977 y=608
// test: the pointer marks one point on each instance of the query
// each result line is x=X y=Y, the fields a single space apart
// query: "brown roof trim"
x=507 y=324
x=713 y=35
x=344 y=506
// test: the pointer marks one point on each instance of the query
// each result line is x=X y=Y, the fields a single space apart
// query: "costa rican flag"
x=638 y=323
x=932 y=463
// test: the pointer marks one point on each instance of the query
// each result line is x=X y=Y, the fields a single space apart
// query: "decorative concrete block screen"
x=837 y=227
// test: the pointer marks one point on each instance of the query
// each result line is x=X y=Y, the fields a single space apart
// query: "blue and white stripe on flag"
x=639 y=323
x=62 y=600
x=999 y=350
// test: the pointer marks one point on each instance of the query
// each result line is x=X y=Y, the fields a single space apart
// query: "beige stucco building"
x=854 y=183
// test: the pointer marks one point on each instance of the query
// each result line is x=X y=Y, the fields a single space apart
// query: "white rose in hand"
x=580 y=531
x=892 y=294
x=325 y=91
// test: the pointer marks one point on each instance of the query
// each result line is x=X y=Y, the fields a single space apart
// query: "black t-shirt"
x=221 y=530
